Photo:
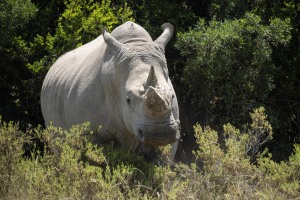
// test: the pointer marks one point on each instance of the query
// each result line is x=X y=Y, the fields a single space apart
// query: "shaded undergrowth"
x=70 y=166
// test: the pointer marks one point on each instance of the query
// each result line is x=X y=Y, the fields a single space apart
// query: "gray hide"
x=118 y=81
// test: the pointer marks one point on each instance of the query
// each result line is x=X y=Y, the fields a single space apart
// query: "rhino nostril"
x=140 y=135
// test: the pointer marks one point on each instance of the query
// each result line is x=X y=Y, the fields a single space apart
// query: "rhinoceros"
x=119 y=81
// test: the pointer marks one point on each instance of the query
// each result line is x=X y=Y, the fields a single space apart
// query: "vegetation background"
x=227 y=59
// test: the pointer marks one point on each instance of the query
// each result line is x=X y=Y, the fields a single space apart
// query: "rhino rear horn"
x=165 y=37
x=151 y=80
x=114 y=44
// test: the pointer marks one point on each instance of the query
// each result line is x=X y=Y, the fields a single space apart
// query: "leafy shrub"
x=81 y=22
x=28 y=51
x=14 y=18
x=74 y=168
x=14 y=15
x=228 y=69
x=229 y=173
x=11 y=141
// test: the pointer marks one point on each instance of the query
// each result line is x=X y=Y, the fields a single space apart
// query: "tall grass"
x=71 y=167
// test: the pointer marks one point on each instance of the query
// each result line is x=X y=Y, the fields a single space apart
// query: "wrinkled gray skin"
x=118 y=81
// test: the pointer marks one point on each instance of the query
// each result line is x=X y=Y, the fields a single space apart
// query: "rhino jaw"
x=159 y=133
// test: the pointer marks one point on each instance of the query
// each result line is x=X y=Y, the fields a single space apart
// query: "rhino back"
x=71 y=92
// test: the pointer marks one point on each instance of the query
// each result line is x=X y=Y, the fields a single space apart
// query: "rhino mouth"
x=158 y=133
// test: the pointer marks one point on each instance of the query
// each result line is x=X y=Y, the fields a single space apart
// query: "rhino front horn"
x=156 y=106
x=165 y=37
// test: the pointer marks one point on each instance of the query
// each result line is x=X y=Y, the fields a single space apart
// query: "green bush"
x=72 y=167
x=80 y=23
x=228 y=173
x=228 y=68
x=31 y=40
x=15 y=15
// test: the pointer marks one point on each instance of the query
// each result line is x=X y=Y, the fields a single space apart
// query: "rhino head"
x=145 y=98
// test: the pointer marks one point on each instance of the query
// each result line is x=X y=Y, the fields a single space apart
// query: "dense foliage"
x=72 y=167
x=227 y=58
x=27 y=54
x=14 y=16
x=246 y=55
x=229 y=70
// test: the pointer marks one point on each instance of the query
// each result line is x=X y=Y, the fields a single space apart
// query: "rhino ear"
x=165 y=37
x=112 y=43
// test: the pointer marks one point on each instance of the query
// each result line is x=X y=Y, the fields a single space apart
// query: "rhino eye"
x=173 y=96
x=128 y=100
